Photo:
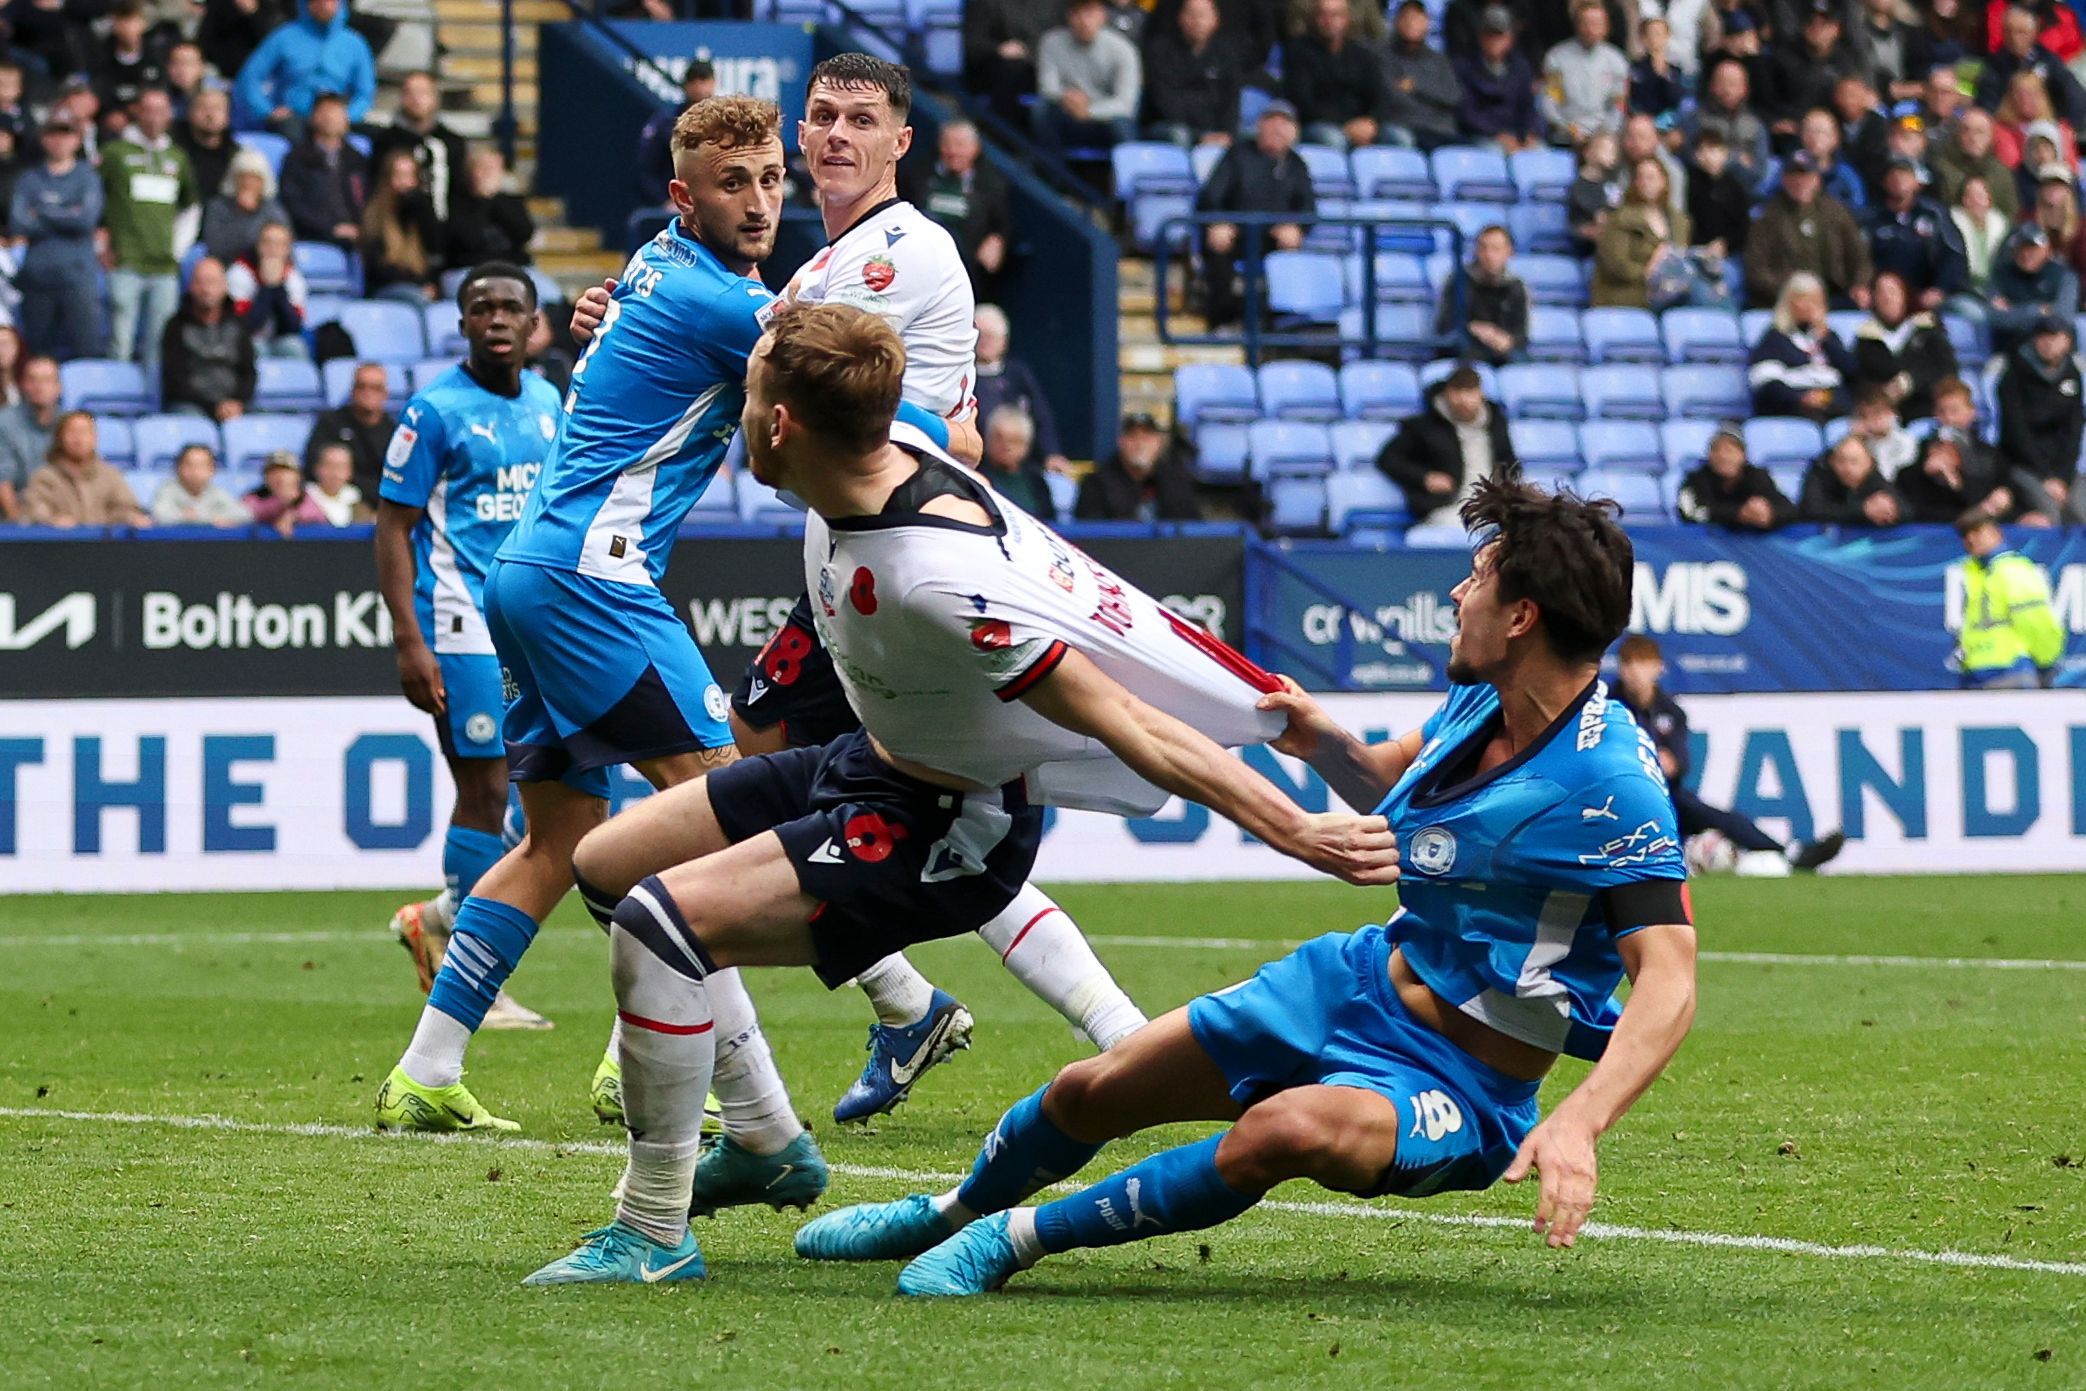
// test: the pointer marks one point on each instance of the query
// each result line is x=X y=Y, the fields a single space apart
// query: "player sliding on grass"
x=1541 y=863
x=995 y=669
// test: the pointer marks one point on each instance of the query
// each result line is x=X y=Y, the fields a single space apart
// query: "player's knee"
x=1276 y=1140
x=1084 y=1098
x=594 y=863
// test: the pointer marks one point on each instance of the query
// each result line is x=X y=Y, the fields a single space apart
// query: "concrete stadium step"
x=477 y=68
x=557 y=239
x=487 y=94
x=546 y=210
x=526 y=12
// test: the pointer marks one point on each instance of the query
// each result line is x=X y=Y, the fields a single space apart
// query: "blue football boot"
x=898 y=1057
x=620 y=1255
x=875 y=1231
x=730 y=1175
x=977 y=1260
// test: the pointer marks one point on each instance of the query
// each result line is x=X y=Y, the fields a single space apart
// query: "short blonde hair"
x=838 y=369
x=728 y=121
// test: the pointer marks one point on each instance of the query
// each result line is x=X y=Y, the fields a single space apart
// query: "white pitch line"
x=1603 y=1231
x=1101 y=939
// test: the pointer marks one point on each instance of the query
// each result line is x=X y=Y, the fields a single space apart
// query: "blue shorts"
x=891 y=860
x=597 y=673
x=1326 y=1015
x=470 y=727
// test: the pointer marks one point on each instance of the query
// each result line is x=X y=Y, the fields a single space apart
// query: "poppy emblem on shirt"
x=991 y=634
x=862 y=592
x=878 y=272
x=871 y=839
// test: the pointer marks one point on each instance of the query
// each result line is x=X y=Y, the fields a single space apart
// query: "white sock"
x=615 y=1038
x=1043 y=947
x=439 y=912
x=757 y=1110
x=667 y=1058
x=953 y=1211
x=1021 y=1234
x=435 y=1057
x=902 y=995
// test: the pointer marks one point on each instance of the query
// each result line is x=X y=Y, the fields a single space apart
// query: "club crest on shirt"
x=1432 y=850
x=878 y=272
x=825 y=591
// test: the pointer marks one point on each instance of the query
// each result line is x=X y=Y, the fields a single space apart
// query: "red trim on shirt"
x=1040 y=668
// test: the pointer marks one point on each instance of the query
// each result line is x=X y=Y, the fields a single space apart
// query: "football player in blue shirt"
x=465 y=454
x=600 y=669
x=1541 y=864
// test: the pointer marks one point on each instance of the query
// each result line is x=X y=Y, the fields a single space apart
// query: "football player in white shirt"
x=990 y=665
x=886 y=257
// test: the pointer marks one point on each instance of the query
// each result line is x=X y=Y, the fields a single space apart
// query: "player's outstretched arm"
x=591 y=310
x=1360 y=773
x=1169 y=754
x=1661 y=964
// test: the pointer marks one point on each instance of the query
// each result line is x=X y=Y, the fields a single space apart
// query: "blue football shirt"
x=1507 y=874
x=468 y=456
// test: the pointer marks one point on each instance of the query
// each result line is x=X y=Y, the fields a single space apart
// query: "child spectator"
x=1875 y=423
x=333 y=490
x=282 y=500
x=193 y=498
x=268 y=295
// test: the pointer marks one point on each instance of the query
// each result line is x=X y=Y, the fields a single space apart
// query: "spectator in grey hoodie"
x=1090 y=80
x=1420 y=90
x=56 y=207
x=1585 y=79
x=193 y=498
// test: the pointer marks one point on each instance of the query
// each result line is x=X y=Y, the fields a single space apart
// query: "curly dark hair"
x=1565 y=554
x=864 y=70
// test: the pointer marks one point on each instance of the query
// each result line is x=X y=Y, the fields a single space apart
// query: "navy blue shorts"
x=892 y=860
x=598 y=673
x=1326 y=1015
x=792 y=683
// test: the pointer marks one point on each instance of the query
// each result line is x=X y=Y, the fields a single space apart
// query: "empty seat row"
x=109 y=388
x=1453 y=173
x=153 y=442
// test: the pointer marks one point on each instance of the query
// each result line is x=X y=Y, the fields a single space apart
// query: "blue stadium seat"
x=322 y=309
x=1435 y=371
x=1753 y=325
x=1550 y=446
x=1552 y=280
x=104 y=386
x=1553 y=480
x=160 y=438
x=1206 y=393
x=327 y=269
x=1789 y=478
x=1622 y=335
x=250 y=439
x=1277 y=447
x=1540 y=229
x=1540 y=391
x=1297 y=506
x=287 y=384
x=718 y=504
x=1468 y=219
x=1473 y=173
x=444 y=338
x=1641 y=496
x=1326 y=236
x=1621 y=393
x=1356 y=443
x=1776 y=439
x=1553 y=335
x=1329 y=174
x=146 y=483
x=1308 y=285
x=1835 y=430
x=338 y=377
x=1363 y=500
x=1389 y=171
x=112 y=435
x=1400 y=279
x=421 y=375
x=1064 y=493
x=1395 y=236
x=1202 y=160
x=1403 y=331
x=1685 y=443
x=1622 y=446
x=761 y=505
x=1844 y=322
x=268 y=145
x=1706 y=392
x=1379 y=390
x=1701 y=335
x=1969 y=340
x=1543 y=175
x=1299 y=391
x=1438 y=536
x=1150 y=166
x=1151 y=211
x=384 y=330
x=1220 y=454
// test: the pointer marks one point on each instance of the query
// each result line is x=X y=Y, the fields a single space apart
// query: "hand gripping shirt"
x=1518 y=882
x=938 y=627
x=468 y=457
x=653 y=406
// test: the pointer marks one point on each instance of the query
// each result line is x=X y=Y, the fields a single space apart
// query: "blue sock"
x=1024 y=1153
x=484 y=946
x=1177 y=1190
x=513 y=826
x=466 y=856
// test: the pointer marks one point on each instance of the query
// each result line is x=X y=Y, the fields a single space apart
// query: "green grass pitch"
x=1907 y=1106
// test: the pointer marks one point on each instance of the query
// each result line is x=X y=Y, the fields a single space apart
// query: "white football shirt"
x=937 y=628
x=900 y=264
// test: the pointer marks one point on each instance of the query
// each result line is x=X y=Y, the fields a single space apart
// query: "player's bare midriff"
x=1483 y=1042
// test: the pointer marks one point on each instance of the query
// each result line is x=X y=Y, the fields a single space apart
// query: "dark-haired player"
x=1541 y=864
x=466 y=452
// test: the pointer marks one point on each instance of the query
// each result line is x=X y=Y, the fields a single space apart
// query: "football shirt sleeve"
x=1003 y=642
x=1618 y=838
x=732 y=323
x=413 y=461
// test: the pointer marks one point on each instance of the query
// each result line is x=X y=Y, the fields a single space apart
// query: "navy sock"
x=1024 y=1153
x=1177 y=1190
x=485 y=945
x=466 y=856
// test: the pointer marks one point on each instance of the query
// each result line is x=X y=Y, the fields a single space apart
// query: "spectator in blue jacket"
x=316 y=52
x=1913 y=237
x=1800 y=366
x=56 y=207
x=1499 y=87
x=2028 y=283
